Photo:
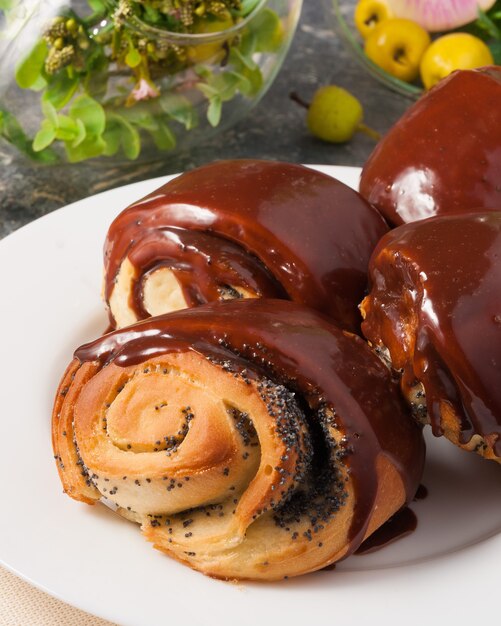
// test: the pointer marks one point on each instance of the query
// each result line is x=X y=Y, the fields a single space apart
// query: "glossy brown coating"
x=309 y=235
x=403 y=523
x=294 y=346
x=435 y=303
x=444 y=155
x=205 y=266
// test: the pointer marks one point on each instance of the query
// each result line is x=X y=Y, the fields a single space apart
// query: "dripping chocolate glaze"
x=203 y=263
x=400 y=525
x=313 y=233
x=435 y=303
x=443 y=155
x=301 y=349
x=421 y=493
x=403 y=523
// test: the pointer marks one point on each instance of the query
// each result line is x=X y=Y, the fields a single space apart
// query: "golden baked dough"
x=250 y=439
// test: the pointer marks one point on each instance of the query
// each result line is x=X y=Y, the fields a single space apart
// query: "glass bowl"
x=345 y=26
x=107 y=79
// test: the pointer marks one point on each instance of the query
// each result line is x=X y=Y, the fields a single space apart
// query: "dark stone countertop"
x=275 y=129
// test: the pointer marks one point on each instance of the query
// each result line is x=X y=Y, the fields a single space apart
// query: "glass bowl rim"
x=194 y=38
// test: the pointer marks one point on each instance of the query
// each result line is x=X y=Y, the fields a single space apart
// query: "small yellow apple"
x=456 y=51
x=369 y=14
x=334 y=114
x=397 y=46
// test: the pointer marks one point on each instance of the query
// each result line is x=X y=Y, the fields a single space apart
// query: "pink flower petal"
x=144 y=90
x=439 y=15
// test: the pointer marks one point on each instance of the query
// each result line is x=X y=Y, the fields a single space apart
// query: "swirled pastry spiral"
x=435 y=310
x=237 y=229
x=250 y=439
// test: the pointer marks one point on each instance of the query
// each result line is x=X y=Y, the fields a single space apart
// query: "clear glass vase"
x=134 y=79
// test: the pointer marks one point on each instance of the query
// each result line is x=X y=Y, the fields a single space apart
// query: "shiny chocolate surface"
x=306 y=236
x=205 y=266
x=435 y=303
x=403 y=523
x=325 y=367
x=444 y=155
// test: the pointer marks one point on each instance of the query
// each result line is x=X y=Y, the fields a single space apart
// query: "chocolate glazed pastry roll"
x=238 y=229
x=444 y=155
x=434 y=309
x=250 y=439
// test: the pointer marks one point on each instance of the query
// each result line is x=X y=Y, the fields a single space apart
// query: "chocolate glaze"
x=435 y=304
x=313 y=234
x=444 y=155
x=205 y=266
x=301 y=349
x=329 y=568
x=421 y=493
x=403 y=523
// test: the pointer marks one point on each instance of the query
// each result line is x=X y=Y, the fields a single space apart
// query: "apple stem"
x=370 y=132
x=295 y=97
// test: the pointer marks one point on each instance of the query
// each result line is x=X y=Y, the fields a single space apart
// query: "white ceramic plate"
x=50 y=277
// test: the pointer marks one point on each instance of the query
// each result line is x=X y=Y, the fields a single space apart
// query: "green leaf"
x=247 y=44
x=495 y=48
x=207 y=90
x=221 y=87
x=245 y=85
x=267 y=30
x=96 y=58
x=254 y=84
x=44 y=137
x=6 y=5
x=133 y=58
x=90 y=112
x=61 y=89
x=164 y=138
x=247 y=6
x=99 y=6
x=67 y=128
x=112 y=139
x=39 y=84
x=129 y=136
x=139 y=116
x=131 y=142
x=68 y=123
x=93 y=146
x=214 y=111
x=29 y=70
x=226 y=85
x=179 y=109
x=485 y=23
x=237 y=58
x=81 y=134
x=203 y=71
x=50 y=113
x=96 y=82
x=11 y=131
x=151 y=15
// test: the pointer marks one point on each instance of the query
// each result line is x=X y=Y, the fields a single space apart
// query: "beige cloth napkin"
x=23 y=605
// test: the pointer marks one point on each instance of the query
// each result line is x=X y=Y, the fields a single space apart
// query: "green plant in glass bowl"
x=133 y=79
